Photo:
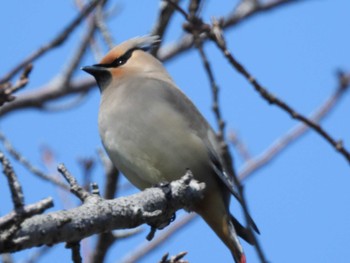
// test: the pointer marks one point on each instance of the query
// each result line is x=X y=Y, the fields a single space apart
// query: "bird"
x=153 y=133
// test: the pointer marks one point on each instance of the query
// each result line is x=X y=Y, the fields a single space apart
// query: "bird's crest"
x=143 y=42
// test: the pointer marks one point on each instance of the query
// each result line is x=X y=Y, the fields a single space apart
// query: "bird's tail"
x=225 y=228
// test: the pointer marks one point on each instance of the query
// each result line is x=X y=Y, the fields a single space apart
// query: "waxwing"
x=152 y=133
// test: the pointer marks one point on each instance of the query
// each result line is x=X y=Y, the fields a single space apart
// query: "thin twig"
x=34 y=170
x=55 y=42
x=11 y=223
x=196 y=27
x=7 y=89
x=174 y=259
x=123 y=234
x=112 y=182
x=103 y=244
x=106 y=240
x=86 y=164
x=263 y=6
x=272 y=99
x=75 y=188
x=186 y=42
x=178 y=8
x=214 y=90
x=194 y=7
x=105 y=32
x=146 y=248
x=13 y=182
x=72 y=65
x=75 y=248
x=152 y=206
x=39 y=98
x=253 y=165
x=166 y=12
x=240 y=146
x=76 y=101
x=26 y=212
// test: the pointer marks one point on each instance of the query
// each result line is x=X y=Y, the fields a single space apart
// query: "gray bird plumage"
x=153 y=133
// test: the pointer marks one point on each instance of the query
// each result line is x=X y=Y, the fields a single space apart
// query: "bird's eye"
x=119 y=61
x=123 y=59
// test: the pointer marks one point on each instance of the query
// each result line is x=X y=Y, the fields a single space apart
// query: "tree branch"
x=13 y=182
x=186 y=42
x=55 y=42
x=256 y=163
x=7 y=89
x=272 y=99
x=146 y=248
x=30 y=167
x=196 y=27
x=152 y=206
x=50 y=92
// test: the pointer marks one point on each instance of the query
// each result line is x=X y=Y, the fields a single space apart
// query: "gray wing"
x=200 y=126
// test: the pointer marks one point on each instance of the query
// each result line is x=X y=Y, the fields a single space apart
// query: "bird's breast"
x=148 y=141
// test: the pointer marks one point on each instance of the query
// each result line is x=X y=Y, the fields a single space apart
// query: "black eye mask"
x=120 y=60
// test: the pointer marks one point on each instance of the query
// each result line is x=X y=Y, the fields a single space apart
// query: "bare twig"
x=214 y=90
x=178 y=8
x=100 y=22
x=166 y=12
x=14 y=185
x=34 y=170
x=39 y=98
x=75 y=188
x=270 y=98
x=256 y=8
x=174 y=259
x=62 y=81
x=105 y=161
x=104 y=242
x=25 y=212
x=196 y=27
x=67 y=73
x=86 y=164
x=75 y=248
x=296 y=132
x=240 y=146
x=10 y=224
x=193 y=8
x=76 y=101
x=55 y=42
x=152 y=206
x=146 y=248
x=186 y=42
x=123 y=234
x=111 y=184
x=7 y=90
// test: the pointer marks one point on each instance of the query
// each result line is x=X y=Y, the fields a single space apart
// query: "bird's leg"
x=165 y=186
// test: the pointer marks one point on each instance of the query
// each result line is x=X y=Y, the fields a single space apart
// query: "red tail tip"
x=243 y=259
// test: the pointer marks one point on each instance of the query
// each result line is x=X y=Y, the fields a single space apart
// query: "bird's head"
x=127 y=60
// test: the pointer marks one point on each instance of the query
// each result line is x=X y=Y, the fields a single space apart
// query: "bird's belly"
x=163 y=157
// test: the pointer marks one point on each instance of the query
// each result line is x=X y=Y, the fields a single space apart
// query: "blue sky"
x=300 y=201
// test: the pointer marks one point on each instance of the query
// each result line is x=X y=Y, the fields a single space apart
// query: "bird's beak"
x=100 y=73
x=94 y=70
